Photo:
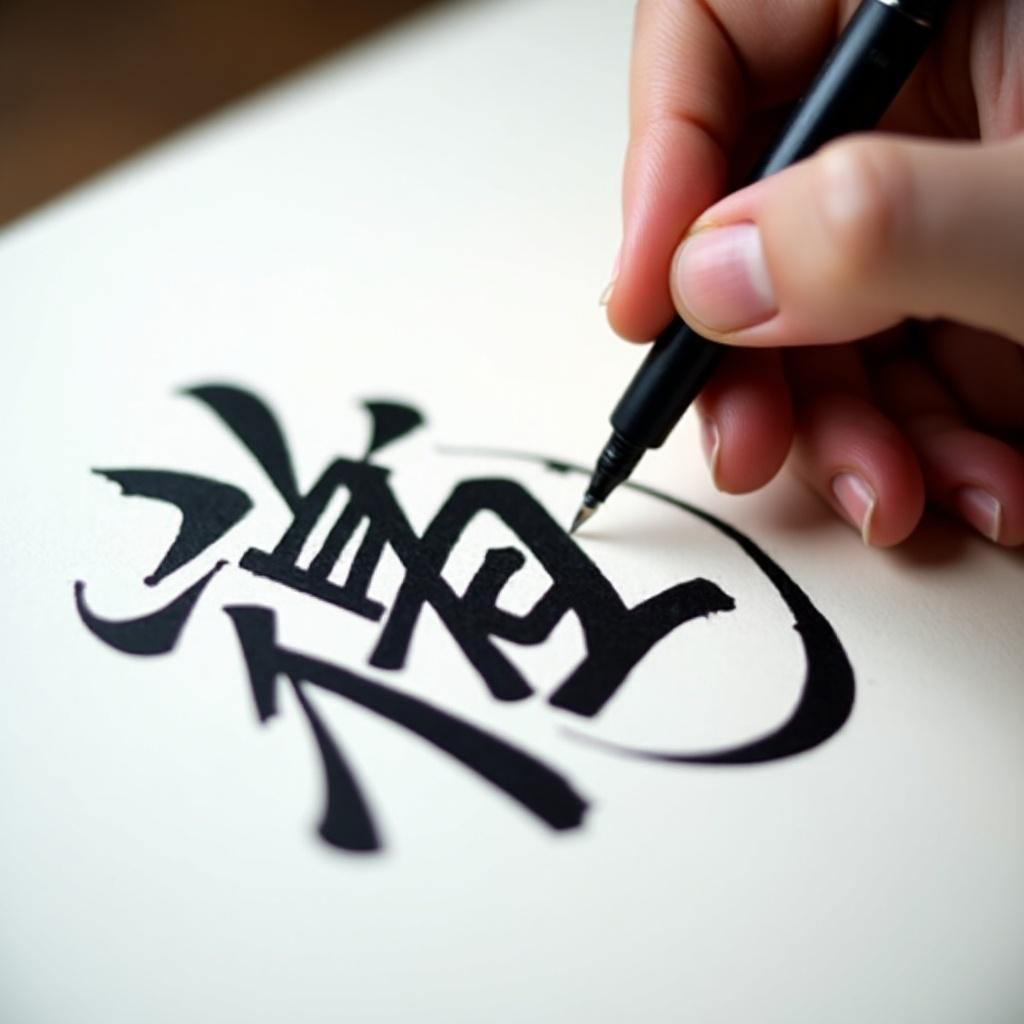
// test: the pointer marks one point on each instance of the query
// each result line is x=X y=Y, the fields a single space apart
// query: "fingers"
x=854 y=456
x=875 y=466
x=694 y=62
x=984 y=372
x=973 y=475
x=858 y=238
x=686 y=99
x=746 y=421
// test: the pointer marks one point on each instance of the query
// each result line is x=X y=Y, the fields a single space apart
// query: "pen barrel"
x=676 y=368
x=866 y=69
x=874 y=56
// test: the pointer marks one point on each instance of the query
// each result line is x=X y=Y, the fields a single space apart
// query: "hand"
x=908 y=251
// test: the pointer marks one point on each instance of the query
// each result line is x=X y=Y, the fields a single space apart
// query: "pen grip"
x=676 y=368
x=874 y=56
x=866 y=69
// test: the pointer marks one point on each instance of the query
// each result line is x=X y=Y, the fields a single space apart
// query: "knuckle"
x=862 y=190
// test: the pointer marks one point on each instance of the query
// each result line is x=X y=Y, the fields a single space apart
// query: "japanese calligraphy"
x=616 y=636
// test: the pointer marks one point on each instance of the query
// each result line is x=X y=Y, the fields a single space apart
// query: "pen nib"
x=585 y=512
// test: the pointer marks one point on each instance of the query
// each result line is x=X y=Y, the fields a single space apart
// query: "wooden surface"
x=83 y=85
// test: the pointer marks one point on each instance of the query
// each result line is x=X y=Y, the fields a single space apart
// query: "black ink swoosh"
x=527 y=780
x=208 y=509
x=827 y=695
x=391 y=420
x=156 y=633
x=252 y=422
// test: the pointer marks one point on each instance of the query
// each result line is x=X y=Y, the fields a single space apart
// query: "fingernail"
x=719 y=275
x=710 y=442
x=606 y=295
x=857 y=500
x=981 y=509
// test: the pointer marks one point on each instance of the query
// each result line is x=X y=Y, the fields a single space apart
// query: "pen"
x=860 y=78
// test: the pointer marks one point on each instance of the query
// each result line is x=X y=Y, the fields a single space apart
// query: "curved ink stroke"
x=827 y=695
x=391 y=420
x=156 y=633
x=616 y=636
x=208 y=509
x=346 y=821
x=251 y=420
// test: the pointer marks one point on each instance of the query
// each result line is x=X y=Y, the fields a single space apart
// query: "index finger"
x=698 y=68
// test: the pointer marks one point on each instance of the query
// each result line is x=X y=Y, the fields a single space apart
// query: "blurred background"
x=85 y=83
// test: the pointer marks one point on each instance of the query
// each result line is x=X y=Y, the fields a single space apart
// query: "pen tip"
x=585 y=512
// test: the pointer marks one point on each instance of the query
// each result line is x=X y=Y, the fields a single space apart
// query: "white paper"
x=430 y=220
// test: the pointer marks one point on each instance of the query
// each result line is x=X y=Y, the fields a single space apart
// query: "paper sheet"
x=381 y=788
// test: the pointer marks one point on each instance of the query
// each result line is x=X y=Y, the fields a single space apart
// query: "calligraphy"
x=616 y=637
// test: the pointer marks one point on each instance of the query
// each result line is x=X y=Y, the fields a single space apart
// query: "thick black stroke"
x=391 y=420
x=209 y=508
x=616 y=636
x=156 y=633
x=253 y=423
x=370 y=498
x=828 y=691
x=346 y=822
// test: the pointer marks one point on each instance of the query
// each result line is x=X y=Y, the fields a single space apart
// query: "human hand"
x=911 y=252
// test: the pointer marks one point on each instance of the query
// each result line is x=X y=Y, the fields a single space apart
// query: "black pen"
x=859 y=79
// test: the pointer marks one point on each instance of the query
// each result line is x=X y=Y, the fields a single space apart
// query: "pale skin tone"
x=812 y=276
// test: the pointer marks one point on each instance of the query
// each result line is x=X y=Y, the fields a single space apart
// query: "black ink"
x=256 y=427
x=208 y=509
x=156 y=633
x=827 y=694
x=370 y=497
x=346 y=822
x=391 y=420
x=616 y=637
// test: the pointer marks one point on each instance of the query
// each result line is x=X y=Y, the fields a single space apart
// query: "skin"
x=880 y=353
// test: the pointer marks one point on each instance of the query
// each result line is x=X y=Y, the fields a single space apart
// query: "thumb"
x=870 y=231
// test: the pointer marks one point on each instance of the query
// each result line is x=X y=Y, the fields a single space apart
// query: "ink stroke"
x=616 y=637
